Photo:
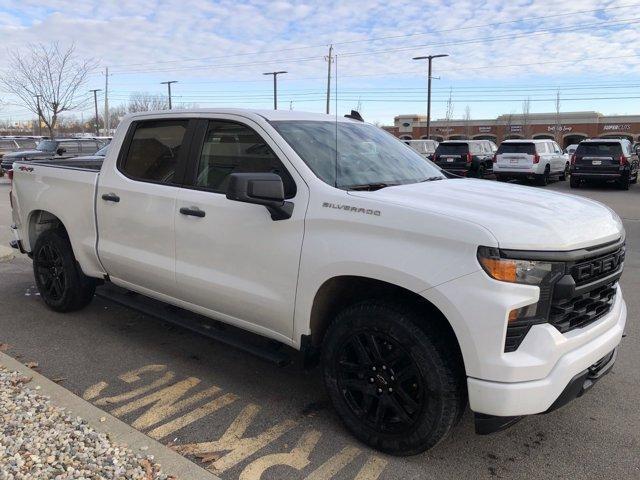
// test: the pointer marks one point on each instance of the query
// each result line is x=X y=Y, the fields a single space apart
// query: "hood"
x=520 y=217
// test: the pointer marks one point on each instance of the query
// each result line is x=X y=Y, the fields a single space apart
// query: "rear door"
x=598 y=157
x=516 y=155
x=452 y=156
x=232 y=259
x=136 y=202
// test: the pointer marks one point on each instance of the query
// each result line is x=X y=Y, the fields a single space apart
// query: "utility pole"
x=39 y=115
x=430 y=59
x=168 y=84
x=107 y=120
x=329 y=60
x=95 y=101
x=275 y=86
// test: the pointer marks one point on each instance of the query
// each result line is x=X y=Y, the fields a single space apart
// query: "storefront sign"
x=617 y=127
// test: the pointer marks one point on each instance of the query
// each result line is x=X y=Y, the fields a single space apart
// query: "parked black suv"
x=604 y=159
x=63 y=148
x=469 y=158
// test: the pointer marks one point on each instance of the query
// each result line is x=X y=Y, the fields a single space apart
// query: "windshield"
x=367 y=155
x=47 y=146
x=607 y=149
x=528 y=148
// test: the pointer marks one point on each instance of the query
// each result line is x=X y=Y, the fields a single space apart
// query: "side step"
x=242 y=340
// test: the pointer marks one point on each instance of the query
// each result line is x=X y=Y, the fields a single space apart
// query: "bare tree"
x=508 y=126
x=144 y=101
x=47 y=79
x=467 y=121
x=526 y=120
x=558 y=126
x=449 y=113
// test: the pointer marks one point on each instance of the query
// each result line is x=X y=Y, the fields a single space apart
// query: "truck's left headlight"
x=529 y=272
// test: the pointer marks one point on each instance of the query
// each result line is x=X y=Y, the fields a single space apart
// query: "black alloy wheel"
x=50 y=272
x=380 y=382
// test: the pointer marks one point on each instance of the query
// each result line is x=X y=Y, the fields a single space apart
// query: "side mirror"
x=61 y=150
x=261 y=189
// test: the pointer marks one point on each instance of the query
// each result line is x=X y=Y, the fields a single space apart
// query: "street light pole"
x=168 y=84
x=430 y=59
x=275 y=86
x=95 y=101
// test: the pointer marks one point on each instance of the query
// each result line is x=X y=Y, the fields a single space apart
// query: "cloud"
x=146 y=40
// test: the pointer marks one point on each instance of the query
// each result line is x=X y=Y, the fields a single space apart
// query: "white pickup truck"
x=418 y=292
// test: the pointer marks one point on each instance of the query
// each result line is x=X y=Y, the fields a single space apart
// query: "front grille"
x=583 y=309
x=596 y=268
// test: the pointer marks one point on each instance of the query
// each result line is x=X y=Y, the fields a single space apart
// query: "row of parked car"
x=538 y=160
x=34 y=148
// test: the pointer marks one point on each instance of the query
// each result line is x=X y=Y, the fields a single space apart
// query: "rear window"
x=598 y=149
x=452 y=149
x=528 y=148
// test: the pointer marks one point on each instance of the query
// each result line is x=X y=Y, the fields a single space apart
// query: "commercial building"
x=566 y=128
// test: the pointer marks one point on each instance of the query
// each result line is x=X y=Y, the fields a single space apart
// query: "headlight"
x=529 y=272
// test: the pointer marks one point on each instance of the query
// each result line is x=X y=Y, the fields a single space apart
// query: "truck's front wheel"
x=60 y=281
x=398 y=387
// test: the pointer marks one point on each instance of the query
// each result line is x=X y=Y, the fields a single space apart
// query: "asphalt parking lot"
x=244 y=418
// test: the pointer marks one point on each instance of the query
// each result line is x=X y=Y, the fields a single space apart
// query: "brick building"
x=569 y=128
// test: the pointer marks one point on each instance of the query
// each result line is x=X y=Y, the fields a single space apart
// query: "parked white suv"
x=424 y=147
x=536 y=160
x=414 y=294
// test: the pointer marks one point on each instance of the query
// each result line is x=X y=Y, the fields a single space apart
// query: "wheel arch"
x=339 y=292
x=38 y=222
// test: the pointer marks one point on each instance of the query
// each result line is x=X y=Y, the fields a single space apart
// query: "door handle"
x=111 y=197
x=192 y=211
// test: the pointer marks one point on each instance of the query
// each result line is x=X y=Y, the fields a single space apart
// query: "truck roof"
x=274 y=115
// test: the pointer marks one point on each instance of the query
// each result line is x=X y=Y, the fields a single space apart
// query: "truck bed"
x=91 y=164
x=62 y=189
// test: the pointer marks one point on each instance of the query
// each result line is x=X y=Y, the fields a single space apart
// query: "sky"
x=500 y=53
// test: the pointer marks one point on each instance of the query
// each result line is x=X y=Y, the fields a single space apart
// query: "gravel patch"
x=41 y=441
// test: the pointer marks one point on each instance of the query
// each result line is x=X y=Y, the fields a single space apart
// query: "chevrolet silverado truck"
x=335 y=238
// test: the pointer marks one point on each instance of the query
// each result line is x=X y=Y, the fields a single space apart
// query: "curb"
x=171 y=462
x=6 y=254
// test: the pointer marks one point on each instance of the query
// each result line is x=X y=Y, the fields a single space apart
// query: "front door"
x=232 y=259
x=135 y=205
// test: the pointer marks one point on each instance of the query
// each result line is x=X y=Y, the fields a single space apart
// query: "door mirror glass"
x=261 y=189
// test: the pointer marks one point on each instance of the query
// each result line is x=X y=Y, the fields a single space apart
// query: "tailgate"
x=515 y=160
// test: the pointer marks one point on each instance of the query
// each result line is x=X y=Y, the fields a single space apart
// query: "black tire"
x=480 y=172
x=419 y=362
x=624 y=182
x=60 y=281
x=563 y=176
x=635 y=178
x=574 y=182
x=543 y=179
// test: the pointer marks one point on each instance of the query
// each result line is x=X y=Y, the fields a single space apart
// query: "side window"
x=72 y=148
x=542 y=147
x=89 y=147
x=234 y=148
x=154 y=150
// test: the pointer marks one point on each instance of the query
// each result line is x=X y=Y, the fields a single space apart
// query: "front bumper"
x=514 y=399
x=578 y=386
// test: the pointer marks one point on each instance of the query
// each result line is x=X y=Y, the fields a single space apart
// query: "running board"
x=229 y=335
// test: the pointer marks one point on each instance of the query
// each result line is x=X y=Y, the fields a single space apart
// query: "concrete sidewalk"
x=171 y=462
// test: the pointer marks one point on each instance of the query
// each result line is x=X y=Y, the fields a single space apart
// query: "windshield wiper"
x=369 y=186
x=431 y=179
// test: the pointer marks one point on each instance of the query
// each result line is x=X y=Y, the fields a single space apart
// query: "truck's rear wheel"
x=543 y=178
x=60 y=281
x=397 y=387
